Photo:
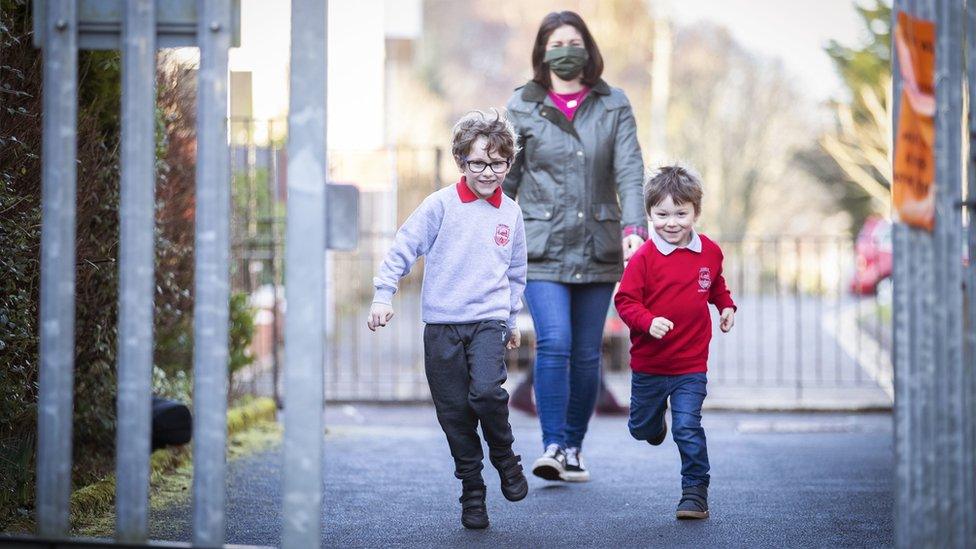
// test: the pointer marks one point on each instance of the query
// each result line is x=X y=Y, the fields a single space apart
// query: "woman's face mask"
x=567 y=62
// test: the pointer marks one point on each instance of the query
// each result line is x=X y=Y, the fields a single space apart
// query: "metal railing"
x=138 y=28
x=798 y=326
x=803 y=322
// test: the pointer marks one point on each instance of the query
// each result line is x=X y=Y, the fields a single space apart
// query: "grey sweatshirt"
x=475 y=257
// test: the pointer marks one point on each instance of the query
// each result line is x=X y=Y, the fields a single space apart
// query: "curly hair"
x=497 y=130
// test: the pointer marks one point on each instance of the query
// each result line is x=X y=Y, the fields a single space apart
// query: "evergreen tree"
x=860 y=143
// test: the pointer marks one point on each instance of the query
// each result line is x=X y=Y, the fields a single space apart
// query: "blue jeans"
x=648 y=403
x=568 y=321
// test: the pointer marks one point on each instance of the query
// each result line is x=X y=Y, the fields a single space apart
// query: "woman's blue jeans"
x=568 y=321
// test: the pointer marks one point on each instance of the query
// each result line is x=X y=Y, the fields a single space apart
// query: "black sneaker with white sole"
x=552 y=464
x=575 y=470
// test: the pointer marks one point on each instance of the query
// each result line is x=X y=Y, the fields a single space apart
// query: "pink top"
x=568 y=102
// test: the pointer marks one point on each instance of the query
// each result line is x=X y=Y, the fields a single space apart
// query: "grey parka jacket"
x=572 y=179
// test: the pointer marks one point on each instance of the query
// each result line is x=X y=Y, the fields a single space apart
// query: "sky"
x=793 y=30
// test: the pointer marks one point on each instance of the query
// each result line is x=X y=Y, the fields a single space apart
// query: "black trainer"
x=513 y=483
x=657 y=440
x=552 y=464
x=474 y=512
x=694 y=503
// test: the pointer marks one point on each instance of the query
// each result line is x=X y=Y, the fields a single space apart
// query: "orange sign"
x=913 y=188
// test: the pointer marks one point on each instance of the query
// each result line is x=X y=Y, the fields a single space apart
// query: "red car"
x=873 y=256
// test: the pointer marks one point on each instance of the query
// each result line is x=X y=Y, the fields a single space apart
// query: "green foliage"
x=174 y=378
x=241 y=332
x=870 y=63
x=96 y=251
x=862 y=130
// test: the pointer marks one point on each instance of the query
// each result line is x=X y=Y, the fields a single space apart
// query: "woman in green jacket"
x=578 y=181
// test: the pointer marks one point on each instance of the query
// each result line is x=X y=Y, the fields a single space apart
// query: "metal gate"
x=138 y=28
x=935 y=303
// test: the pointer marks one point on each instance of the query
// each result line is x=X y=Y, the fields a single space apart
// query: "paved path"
x=778 y=480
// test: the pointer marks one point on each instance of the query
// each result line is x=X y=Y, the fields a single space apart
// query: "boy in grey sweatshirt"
x=473 y=239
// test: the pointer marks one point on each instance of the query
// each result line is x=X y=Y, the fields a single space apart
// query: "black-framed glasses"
x=478 y=166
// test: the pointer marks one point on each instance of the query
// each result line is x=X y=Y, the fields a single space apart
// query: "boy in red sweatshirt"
x=663 y=298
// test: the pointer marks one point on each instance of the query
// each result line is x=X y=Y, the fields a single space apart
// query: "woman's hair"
x=682 y=184
x=594 y=66
x=497 y=130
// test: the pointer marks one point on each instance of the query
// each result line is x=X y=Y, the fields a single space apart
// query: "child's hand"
x=514 y=339
x=727 y=320
x=380 y=314
x=660 y=326
x=631 y=243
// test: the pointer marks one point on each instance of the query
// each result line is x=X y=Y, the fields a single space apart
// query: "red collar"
x=467 y=195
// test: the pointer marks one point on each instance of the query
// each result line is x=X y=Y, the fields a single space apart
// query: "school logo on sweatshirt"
x=704 y=279
x=501 y=234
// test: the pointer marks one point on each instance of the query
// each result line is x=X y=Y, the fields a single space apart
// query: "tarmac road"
x=778 y=480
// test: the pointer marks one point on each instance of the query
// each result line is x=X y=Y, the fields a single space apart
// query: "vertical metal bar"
x=136 y=284
x=780 y=351
x=859 y=332
x=57 y=338
x=838 y=306
x=248 y=230
x=760 y=307
x=901 y=336
x=923 y=366
x=818 y=325
x=957 y=499
x=969 y=320
x=305 y=276
x=740 y=358
x=212 y=284
x=798 y=313
x=275 y=268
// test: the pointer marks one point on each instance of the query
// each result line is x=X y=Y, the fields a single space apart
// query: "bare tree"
x=737 y=118
x=861 y=145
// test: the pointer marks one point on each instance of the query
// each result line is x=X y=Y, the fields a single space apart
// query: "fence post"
x=955 y=502
x=136 y=259
x=305 y=277
x=57 y=337
x=900 y=315
x=969 y=322
x=933 y=419
x=211 y=279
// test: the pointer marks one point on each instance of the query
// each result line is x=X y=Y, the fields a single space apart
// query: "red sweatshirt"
x=678 y=286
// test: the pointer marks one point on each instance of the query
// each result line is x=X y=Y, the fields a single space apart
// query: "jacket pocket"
x=606 y=234
x=538 y=229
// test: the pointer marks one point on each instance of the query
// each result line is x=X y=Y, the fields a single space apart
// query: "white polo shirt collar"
x=666 y=247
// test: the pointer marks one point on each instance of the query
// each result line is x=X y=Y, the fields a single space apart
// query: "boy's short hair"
x=497 y=130
x=681 y=183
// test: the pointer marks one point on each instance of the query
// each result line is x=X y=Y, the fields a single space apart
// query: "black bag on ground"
x=172 y=423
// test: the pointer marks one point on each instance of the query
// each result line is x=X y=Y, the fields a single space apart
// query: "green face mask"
x=567 y=62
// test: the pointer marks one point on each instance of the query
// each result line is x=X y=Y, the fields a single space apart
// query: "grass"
x=251 y=427
x=172 y=482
